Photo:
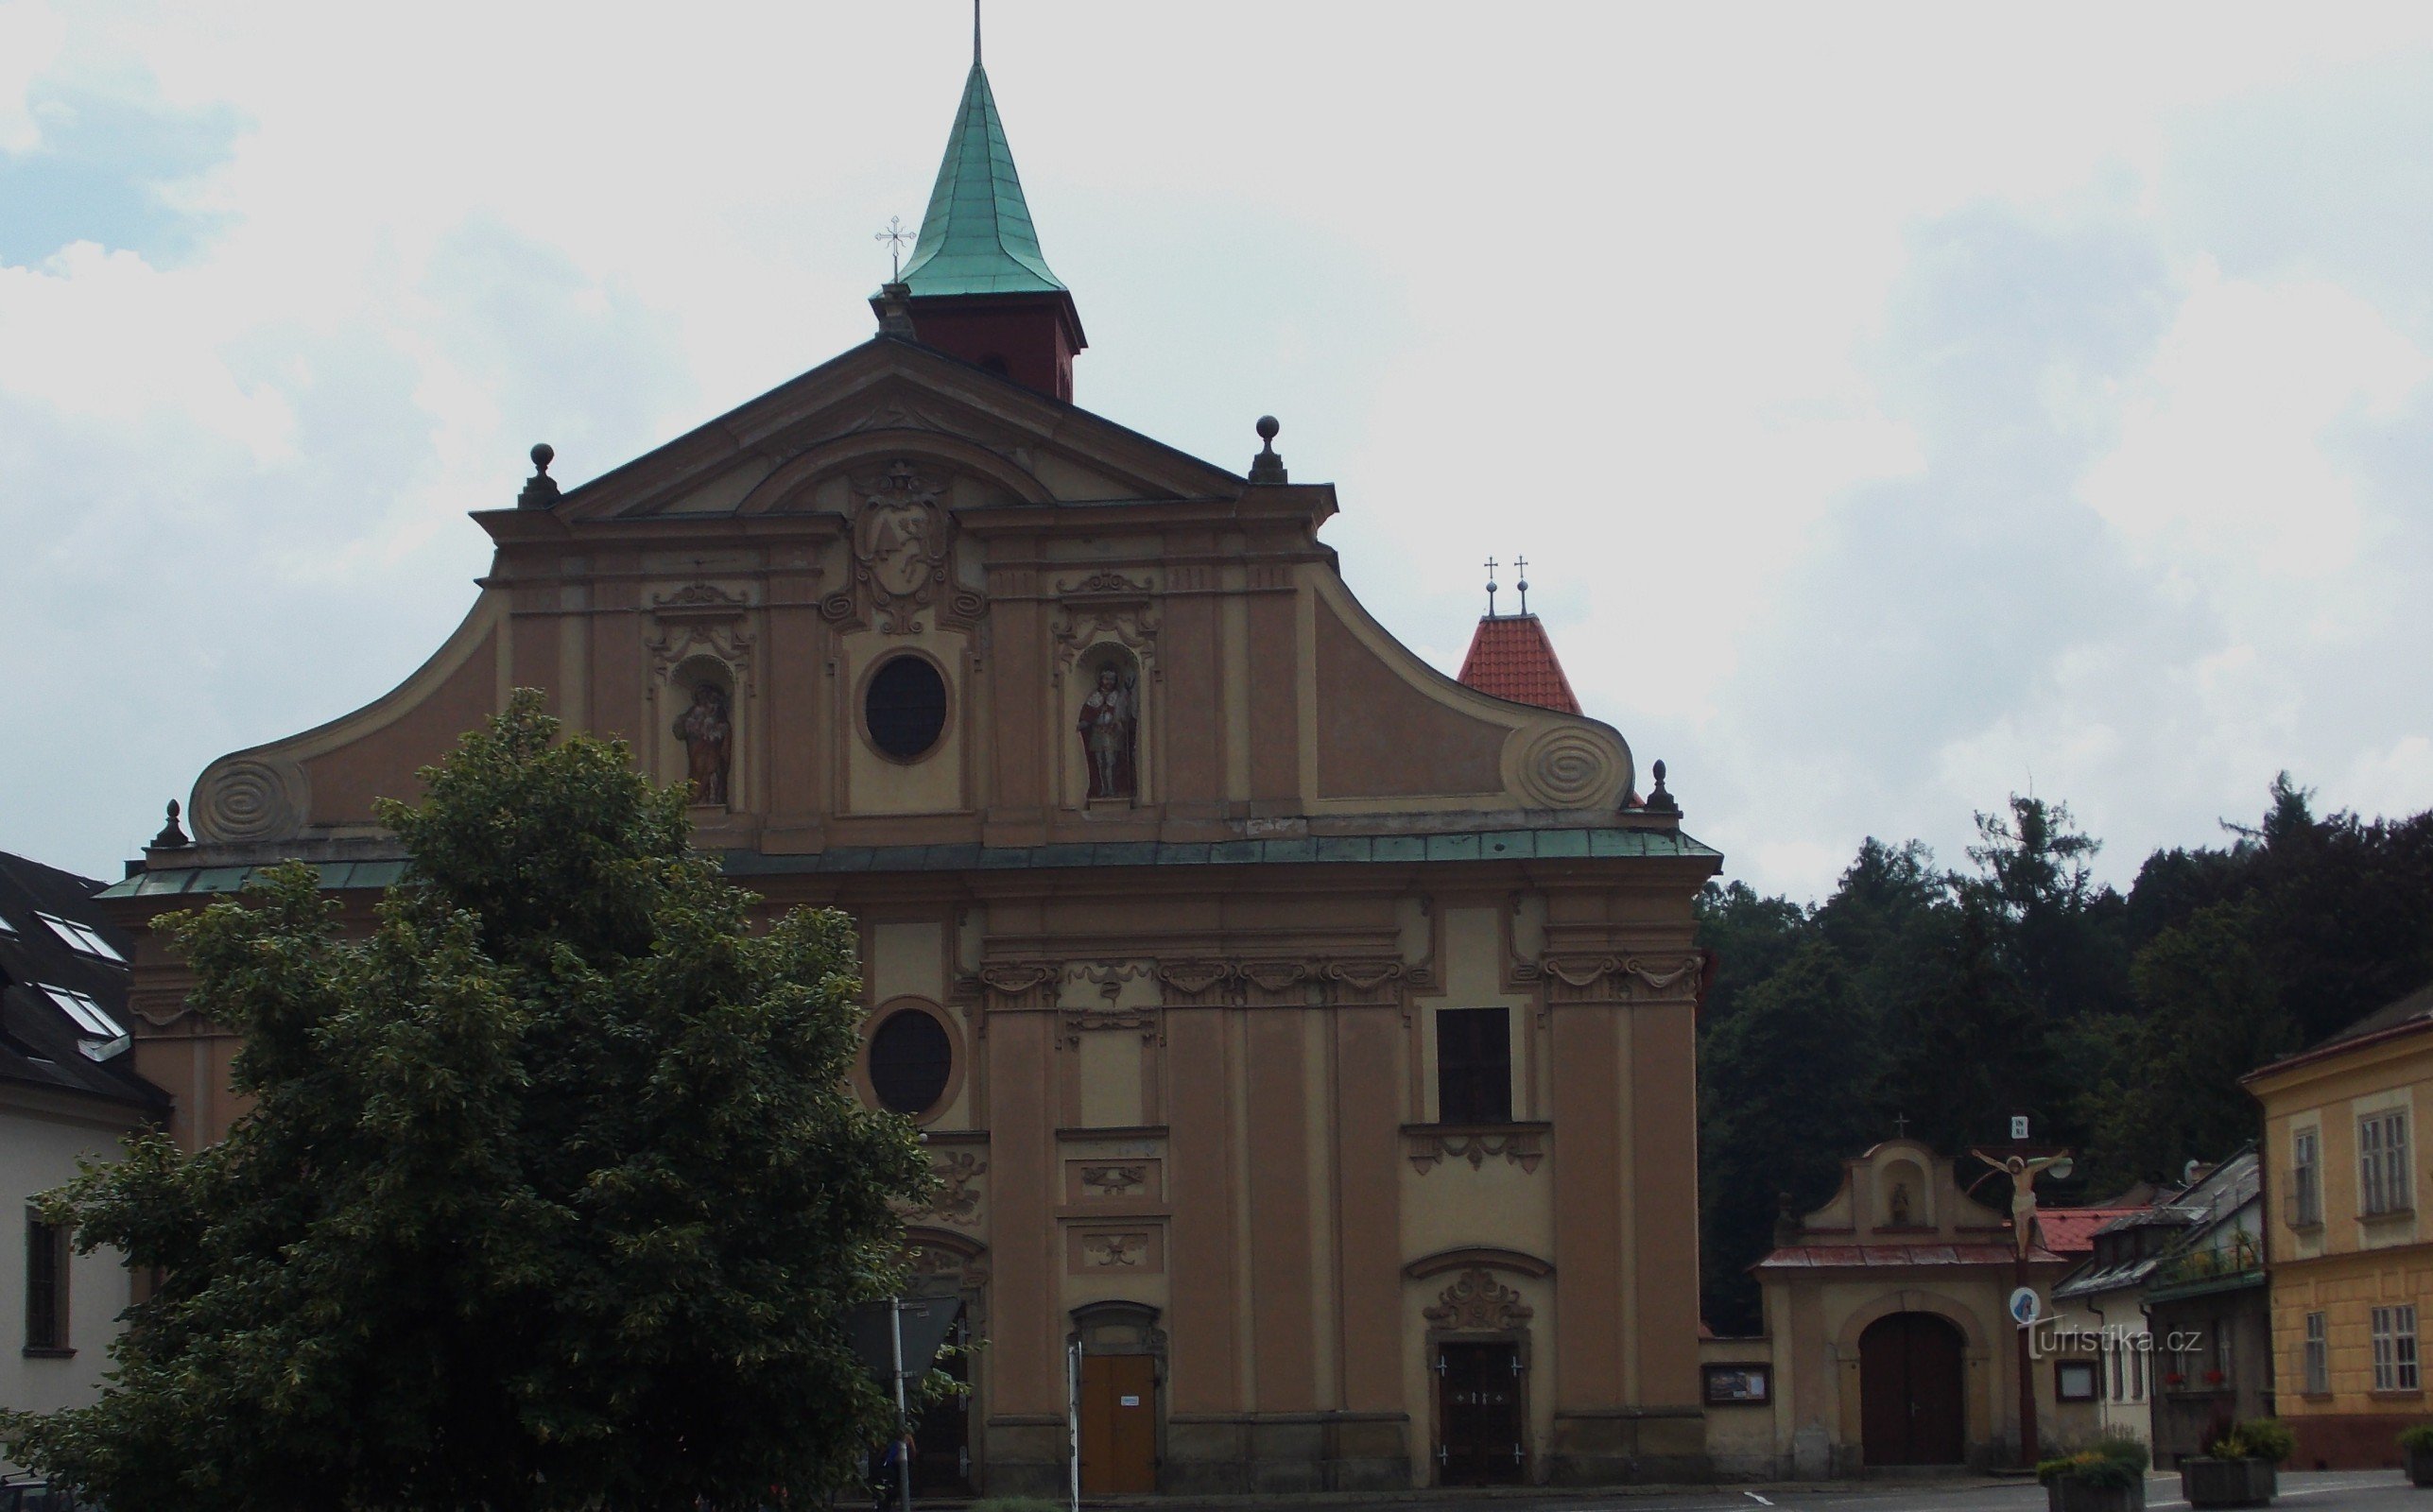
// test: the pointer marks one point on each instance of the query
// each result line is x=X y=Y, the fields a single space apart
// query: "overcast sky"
x=1899 y=407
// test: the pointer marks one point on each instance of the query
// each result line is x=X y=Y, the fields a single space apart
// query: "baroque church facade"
x=1304 y=1034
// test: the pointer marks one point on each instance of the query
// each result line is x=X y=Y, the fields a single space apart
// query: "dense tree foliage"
x=1952 y=1000
x=551 y=1195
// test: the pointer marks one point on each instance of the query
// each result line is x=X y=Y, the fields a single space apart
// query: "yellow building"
x=2351 y=1258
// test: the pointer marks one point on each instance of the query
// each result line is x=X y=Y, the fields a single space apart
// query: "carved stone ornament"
x=1020 y=983
x=251 y=798
x=1476 y=1302
x=1105 y=585
x=1114 y=1251
x=700 y=619
x=1192 y=978
x=1274 y=977
x=941 y=1267
x=1566 y=766
x=1629 y=976
x=958 y=1201
x=901 y=546
x=1114 y=1180
x=1431 y=1147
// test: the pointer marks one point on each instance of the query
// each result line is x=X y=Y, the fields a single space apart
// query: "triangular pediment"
x=769 y=453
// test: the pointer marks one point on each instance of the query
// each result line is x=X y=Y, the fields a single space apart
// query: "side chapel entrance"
x=1479 y=1343
x=1480 y=1439
x=1121 y=1349
x=1118 y=1424
x=1910 y=1391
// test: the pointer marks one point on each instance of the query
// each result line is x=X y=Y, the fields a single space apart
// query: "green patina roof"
x=977 y=238
x=1487 y=845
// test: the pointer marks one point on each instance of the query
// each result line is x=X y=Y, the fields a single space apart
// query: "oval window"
x=909 y=1061
x=905 y=707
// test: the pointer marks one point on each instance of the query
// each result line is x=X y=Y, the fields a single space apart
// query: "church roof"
x=1510 y=657
x=976 y=237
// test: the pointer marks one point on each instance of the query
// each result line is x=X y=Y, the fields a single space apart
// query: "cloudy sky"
x=1899 y=407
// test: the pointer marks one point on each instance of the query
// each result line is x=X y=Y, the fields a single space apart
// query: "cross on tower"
x=1491 y=588
x=895 y=236
x=1521 y=566
x=1901 y=1126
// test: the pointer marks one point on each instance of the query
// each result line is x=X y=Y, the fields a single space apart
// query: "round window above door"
x=911 y=1061
x=903 y=706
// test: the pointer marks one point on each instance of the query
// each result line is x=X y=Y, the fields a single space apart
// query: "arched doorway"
x=1910 y=1391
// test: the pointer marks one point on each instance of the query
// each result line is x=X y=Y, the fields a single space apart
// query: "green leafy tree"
x=550 y=1195
x=2211 y=1013
x=1781 y=1101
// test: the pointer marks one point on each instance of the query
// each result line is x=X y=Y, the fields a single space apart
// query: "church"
x=1303 y=1037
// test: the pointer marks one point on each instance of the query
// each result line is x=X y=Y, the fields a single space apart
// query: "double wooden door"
x=1910 y=1391
x=1118 y=1424
x=1481 y=1430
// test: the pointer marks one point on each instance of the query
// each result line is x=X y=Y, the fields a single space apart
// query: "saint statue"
x=1900 y=1203
x=1109 y=718
x=707 y=736
x=2022 y=1173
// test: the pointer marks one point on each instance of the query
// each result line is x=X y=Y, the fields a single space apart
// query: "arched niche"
x=1903 y=1198
x=700 y=731
x=1108 y=727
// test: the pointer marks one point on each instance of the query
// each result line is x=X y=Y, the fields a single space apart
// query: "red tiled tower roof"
x=1510 y=657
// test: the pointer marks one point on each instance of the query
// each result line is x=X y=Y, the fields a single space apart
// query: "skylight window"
x=89 y=1016
x=82 y=938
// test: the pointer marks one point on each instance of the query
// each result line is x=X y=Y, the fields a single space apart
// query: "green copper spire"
x=978 y=236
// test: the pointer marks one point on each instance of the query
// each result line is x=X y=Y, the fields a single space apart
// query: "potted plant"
x=2238 y=1469
x=2108 y=1476
x=2417 y=1443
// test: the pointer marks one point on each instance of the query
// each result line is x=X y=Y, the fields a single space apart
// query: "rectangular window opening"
x=2385 y=1182
x=1474 y=1065
x=46 y=1278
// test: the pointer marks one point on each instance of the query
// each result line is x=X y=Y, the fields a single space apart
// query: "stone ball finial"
x=540 y=489
x=1267 y=467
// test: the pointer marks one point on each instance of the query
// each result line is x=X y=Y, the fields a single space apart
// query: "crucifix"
x=895 y=236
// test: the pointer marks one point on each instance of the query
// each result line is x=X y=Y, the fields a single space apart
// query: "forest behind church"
x=1953 y=998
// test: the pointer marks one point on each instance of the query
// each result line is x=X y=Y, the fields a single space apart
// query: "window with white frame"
x=82 y=938
x=2384 y=1184
x=2305 y=1179
x=2394 y=1348
x=2319 y=1355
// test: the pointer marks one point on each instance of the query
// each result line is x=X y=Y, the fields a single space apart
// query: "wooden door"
x=1910 y=1391
x=1479 y=1415
x=1118 y=1424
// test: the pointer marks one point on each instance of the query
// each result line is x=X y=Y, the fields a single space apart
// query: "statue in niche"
x=1110 y=720
x=1900 y=1203
x=708 y=735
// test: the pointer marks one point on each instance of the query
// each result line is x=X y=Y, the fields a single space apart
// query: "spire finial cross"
x=1901 y=1126
x=1521 y=567
x=895 y=236
x=1491 y=588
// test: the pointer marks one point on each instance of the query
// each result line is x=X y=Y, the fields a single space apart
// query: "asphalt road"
x=2300 y=1490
